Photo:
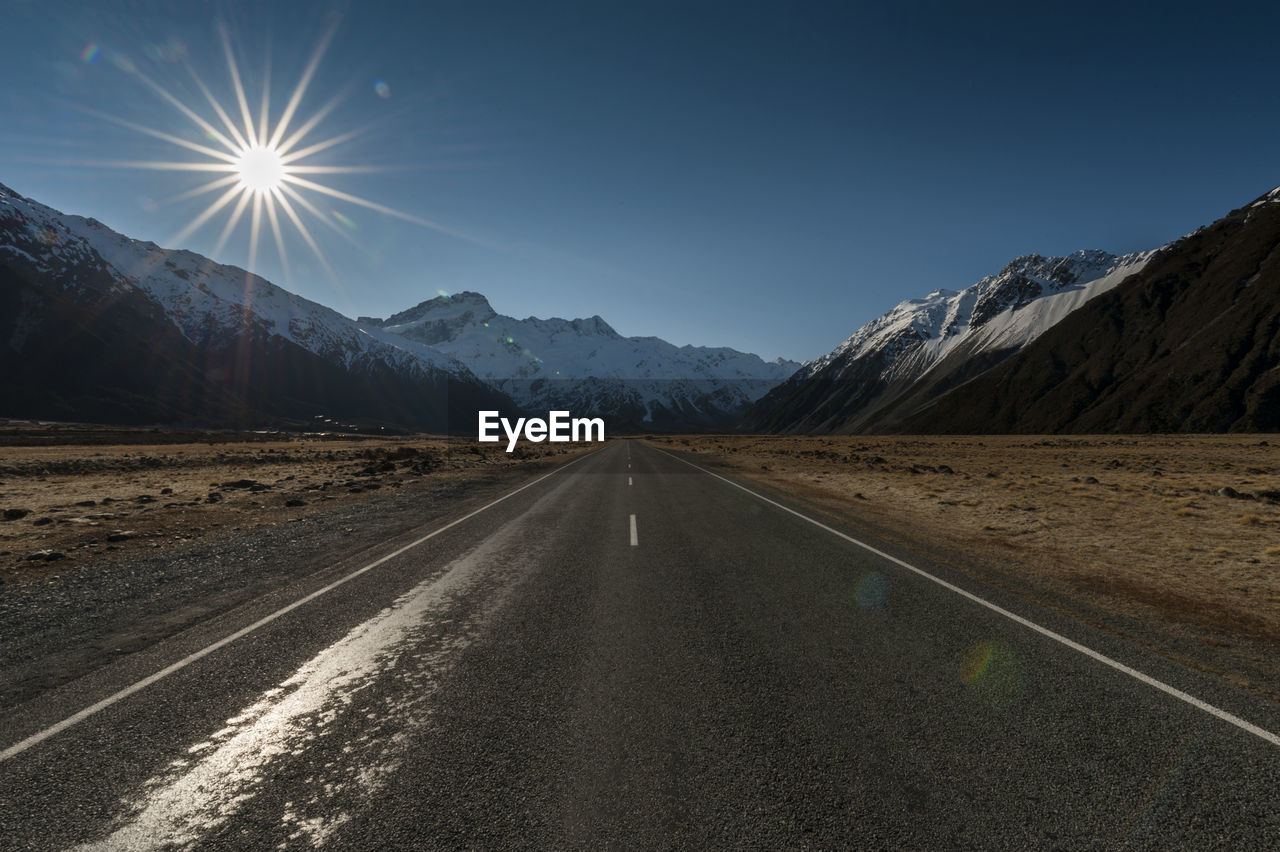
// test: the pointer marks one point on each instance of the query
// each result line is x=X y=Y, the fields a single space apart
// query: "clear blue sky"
x=767 y=176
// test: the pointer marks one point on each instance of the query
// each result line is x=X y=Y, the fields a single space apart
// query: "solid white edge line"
x=635 y=539
x=1044 y=631
x=57 y=728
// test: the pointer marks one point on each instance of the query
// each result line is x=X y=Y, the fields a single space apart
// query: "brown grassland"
x=70 y=496
x=1172 y=540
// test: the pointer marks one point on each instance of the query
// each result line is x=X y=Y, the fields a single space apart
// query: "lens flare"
x=874 y=591
x=994 y=672
x=975 y=662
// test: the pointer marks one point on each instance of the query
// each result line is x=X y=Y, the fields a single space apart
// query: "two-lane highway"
x=634 y=652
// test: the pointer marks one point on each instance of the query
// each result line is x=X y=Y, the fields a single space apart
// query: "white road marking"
x=635 y=539
x=198 y=793
x=57 y=728
x=628 y=480
x=1218 y=712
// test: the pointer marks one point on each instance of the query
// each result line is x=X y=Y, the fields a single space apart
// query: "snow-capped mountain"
x=924 y=346
x=203 y=298
x=250 y=351
x=1188 y=344
x=1006 y=310
x=260 y=351
x=585 y=365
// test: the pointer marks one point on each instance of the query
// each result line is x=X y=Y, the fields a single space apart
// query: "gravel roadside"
x=58 y=628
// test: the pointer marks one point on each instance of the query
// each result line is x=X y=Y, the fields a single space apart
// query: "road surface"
x=634 y=652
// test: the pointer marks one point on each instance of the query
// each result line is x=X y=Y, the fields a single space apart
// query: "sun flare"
x=261 y=169
x=261 y=162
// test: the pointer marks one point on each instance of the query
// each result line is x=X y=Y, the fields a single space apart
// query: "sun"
x=261 y=162
x=261 y=169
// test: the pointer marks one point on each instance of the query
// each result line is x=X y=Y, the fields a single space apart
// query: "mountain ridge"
x=921 y=345
x=584 y=364
x=190 y=344
x=1190 y=345
x=230 y=315
x=1179 y=338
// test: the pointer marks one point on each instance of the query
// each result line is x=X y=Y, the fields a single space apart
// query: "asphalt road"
x=632 y=652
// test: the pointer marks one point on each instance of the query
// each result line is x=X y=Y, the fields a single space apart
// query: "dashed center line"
x=635 y=539
x=628 y=480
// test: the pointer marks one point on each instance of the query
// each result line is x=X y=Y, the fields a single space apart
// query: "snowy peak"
x=437 y=320
x=444 y=307
x=922 y=345
x=585 y=364
x=503 y=347
x=40 y=236
x=1060 y=270
x=944 y=317
x=1032 y=276
x=594 y=325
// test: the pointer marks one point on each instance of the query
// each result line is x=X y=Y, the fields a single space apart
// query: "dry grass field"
x=73 y=496
x=1181 y=533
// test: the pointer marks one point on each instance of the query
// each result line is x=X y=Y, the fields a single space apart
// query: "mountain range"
x=584 y=365
x=1190 y=344
x=923 y=347
x=1180 y=338
x=97 y=326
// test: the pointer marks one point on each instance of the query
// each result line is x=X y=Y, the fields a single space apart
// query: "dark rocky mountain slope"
x=82 y=339
x=1190 y=344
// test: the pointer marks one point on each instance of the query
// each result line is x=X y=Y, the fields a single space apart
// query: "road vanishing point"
x=634 y=652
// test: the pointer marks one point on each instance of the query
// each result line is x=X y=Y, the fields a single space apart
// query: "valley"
x=639 y=426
